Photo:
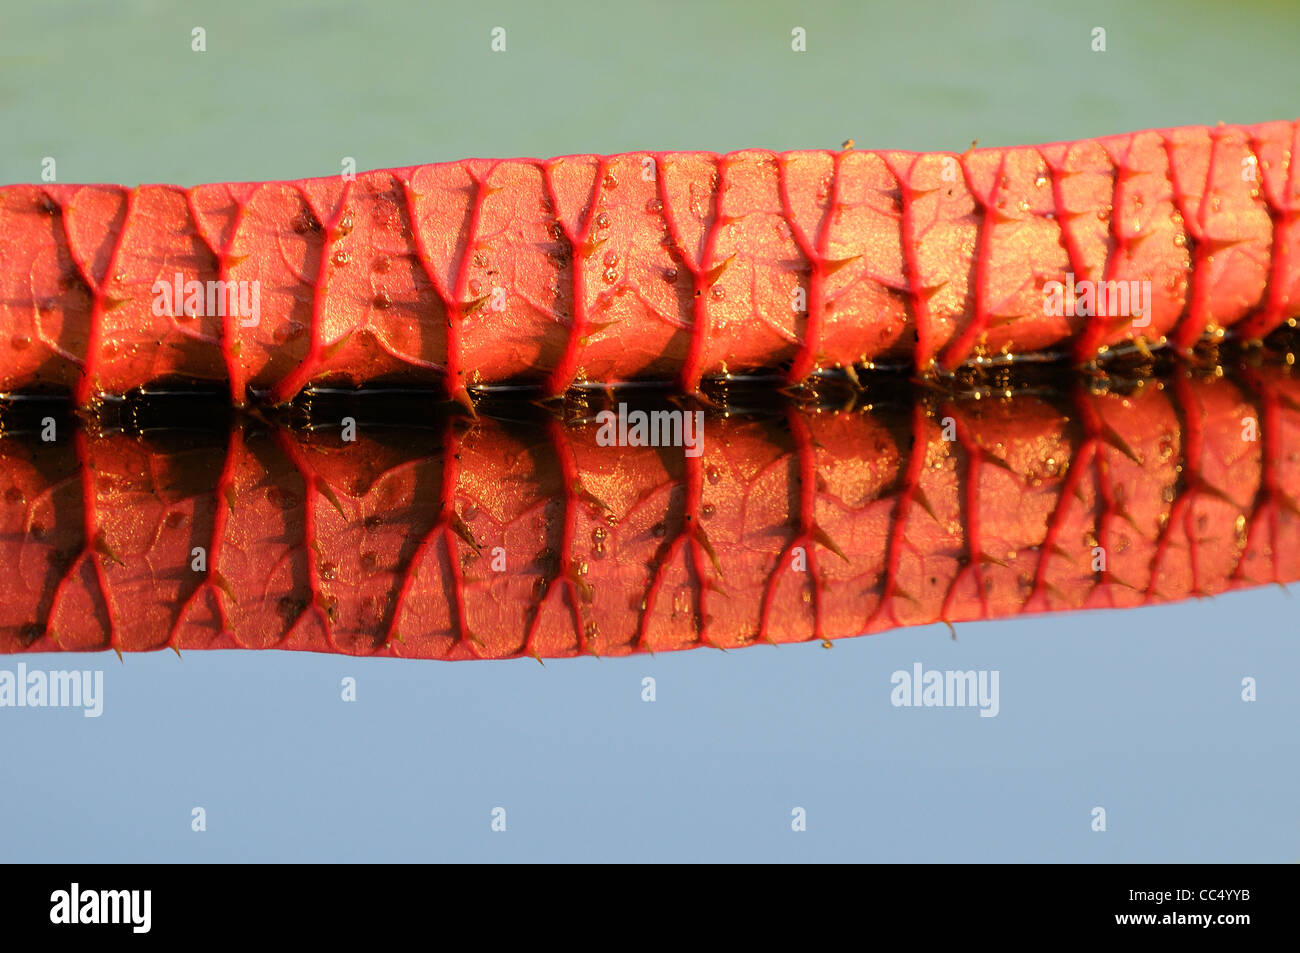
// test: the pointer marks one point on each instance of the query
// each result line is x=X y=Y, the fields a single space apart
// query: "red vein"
x=923 y=357
x=806 y=530
x=959 y=350
x=693 y=366
x=566 y=368
x=1192 y=323
x=1281 y=217
x=236 y=370
x=902 y=512
x=311 y=364
x=565 y=575
x=223 y=492
x=1093 y=333
x=814 y=252
x=88 y=384
x=968 y=479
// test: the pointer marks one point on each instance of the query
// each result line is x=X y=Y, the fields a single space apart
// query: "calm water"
x=1139 y=712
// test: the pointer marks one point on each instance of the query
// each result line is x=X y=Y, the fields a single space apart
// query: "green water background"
x=114 y=92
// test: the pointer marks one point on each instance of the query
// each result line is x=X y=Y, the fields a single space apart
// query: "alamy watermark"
x=1086 y=298
x=239 y=299
x=920 y=688
x=56 y=689
x=653 y=428
x=130 y=907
